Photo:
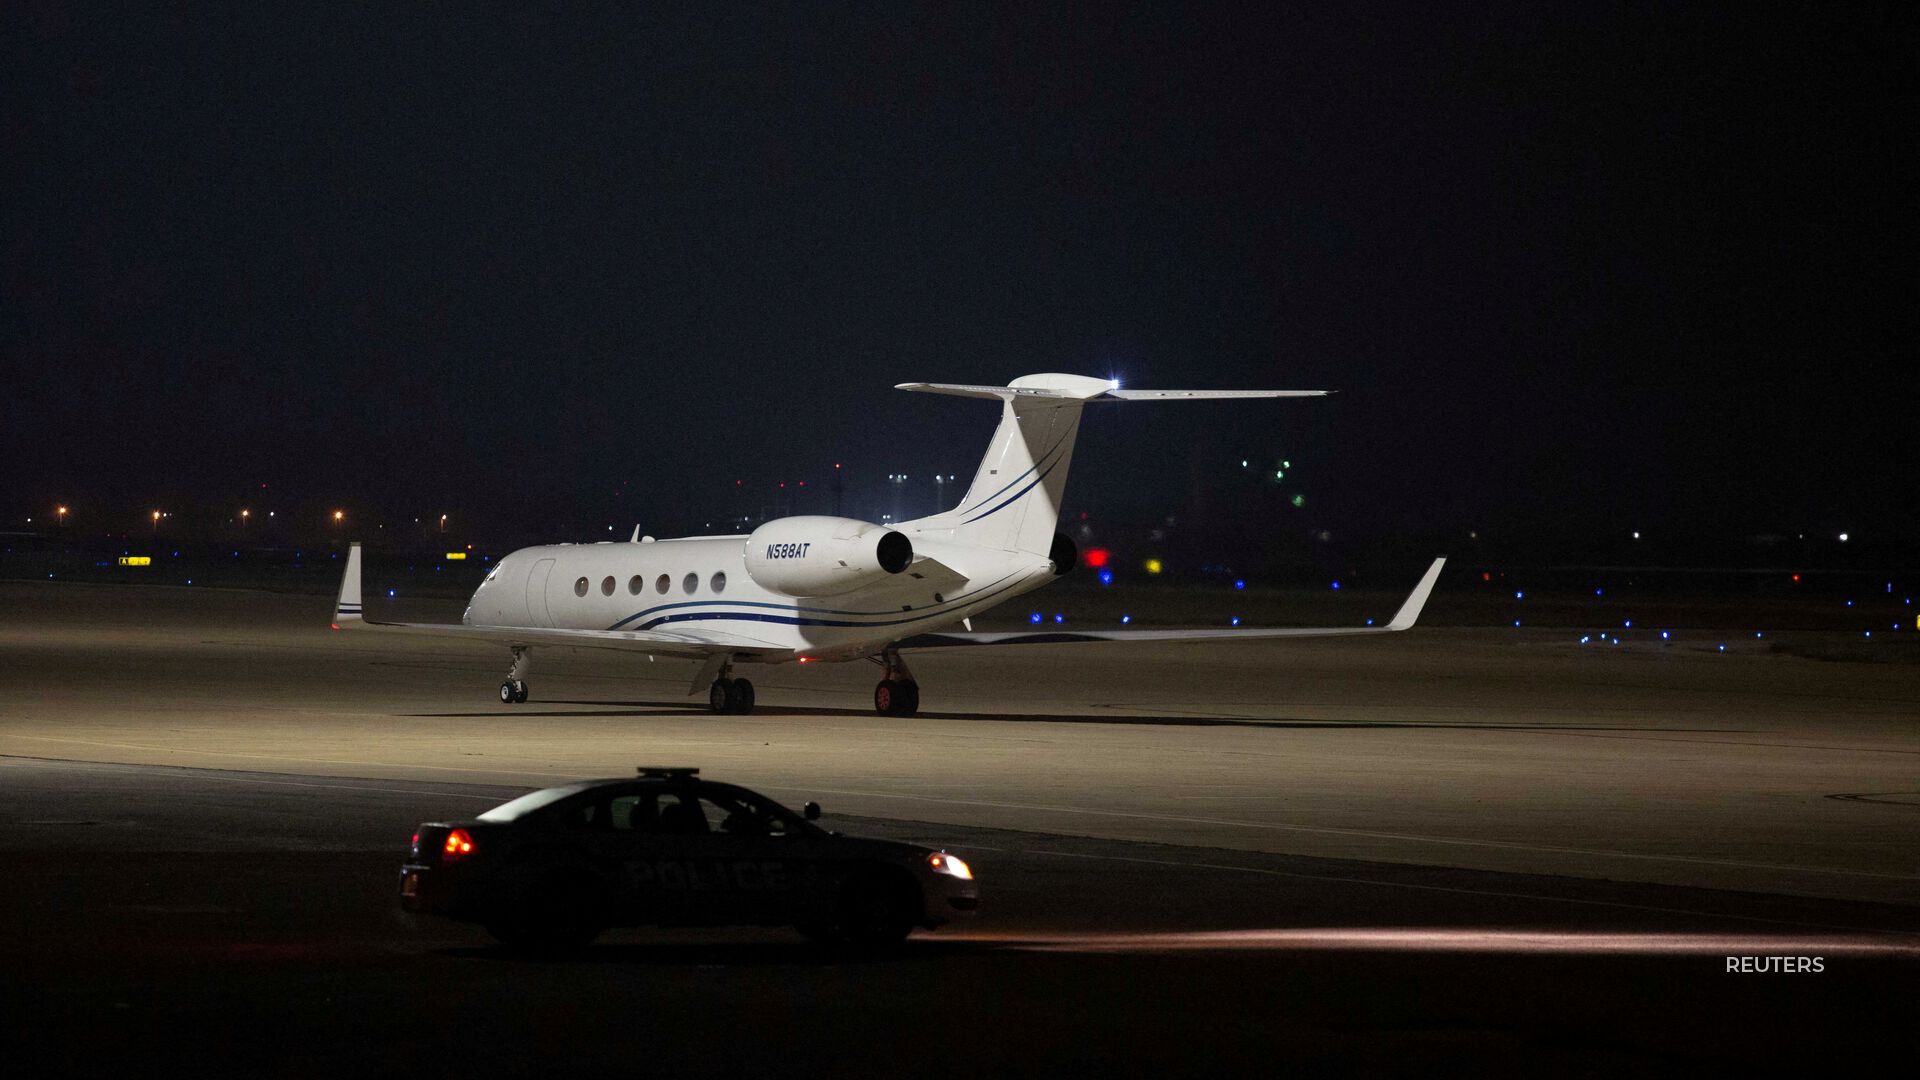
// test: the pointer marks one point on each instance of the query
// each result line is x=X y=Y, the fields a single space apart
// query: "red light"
x=806 y=659
x=1097 y=557
x=459 y=845
x=1796 y=577
x=1484 y=576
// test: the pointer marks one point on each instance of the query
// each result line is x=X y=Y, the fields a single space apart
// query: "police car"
x=553 y=868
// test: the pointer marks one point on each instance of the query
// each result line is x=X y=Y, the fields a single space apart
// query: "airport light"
x=60 y=518
x=339 y=516
x=1153 y=566
x=1843 y=538
x=443 y=523
x=156 y=521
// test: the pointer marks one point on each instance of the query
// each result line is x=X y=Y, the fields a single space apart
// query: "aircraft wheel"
x=740 y=696
x=896 y=697
x=506 y=692
x=720 y=695
x=519 y=691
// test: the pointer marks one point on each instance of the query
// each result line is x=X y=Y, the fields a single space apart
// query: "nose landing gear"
x=514 y=690
x=897 y=694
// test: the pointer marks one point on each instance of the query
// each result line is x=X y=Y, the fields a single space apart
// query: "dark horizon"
x=1574 y=273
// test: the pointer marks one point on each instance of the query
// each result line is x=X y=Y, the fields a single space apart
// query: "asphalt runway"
x=1379 y=854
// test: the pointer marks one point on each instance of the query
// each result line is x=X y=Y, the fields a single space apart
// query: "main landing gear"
x=514 y=690
x=897 y=694
x=730 y=695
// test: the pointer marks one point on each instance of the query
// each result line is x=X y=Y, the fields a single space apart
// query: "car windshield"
x=531 y=801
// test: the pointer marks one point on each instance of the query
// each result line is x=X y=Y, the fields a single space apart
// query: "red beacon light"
x=459 y=845
x=1096 y=557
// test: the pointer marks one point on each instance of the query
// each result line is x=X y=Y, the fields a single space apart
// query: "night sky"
x=1581 y=268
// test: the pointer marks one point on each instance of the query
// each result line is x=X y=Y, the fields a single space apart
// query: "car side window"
x=681 y=815
x=743 y=818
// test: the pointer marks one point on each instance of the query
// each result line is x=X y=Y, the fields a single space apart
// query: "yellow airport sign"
x=136 y=560
x=456 y=554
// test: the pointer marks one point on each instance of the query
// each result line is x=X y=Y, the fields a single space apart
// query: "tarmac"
x=1451 y=843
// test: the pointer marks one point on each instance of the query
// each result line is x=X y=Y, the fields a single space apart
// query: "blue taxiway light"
x=1336 y=584
x=1059 y=618
x=1035 y=617
x=1519 y=596
x=1236 y=620
x=1239 y=583
x=1516 y=622
x=1124 y=619
x=1106 y=577
x=1663 y=635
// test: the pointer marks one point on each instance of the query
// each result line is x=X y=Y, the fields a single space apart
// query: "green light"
x=1286 y=464
x=1299 y=500
x=1279 y=475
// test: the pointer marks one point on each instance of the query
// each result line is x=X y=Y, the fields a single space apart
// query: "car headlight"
x=950 y=865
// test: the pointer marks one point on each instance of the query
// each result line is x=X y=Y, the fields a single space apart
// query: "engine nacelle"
x=824 y=556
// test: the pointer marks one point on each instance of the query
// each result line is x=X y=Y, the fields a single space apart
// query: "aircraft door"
x=537 y=614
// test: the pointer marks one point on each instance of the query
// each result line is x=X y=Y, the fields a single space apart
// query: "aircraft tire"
x=720 y=695
x=740 y=697
x=519 y=691
x=896 y=697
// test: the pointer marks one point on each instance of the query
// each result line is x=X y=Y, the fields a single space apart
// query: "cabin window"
x=580 y=587
x=634 y=585
x=719 y=582
x=662 y=583
x=606 y=586
x=690 y=584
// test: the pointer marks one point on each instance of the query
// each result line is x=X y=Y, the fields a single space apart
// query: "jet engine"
x=824 y=556
x=1064 y=553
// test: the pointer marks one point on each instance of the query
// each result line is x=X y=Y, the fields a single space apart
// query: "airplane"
x=814 y=588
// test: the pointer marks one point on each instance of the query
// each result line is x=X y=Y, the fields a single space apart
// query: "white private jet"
x=826 y=588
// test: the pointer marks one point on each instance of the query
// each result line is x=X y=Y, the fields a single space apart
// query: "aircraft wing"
x=1402 y=620
x=690 y=644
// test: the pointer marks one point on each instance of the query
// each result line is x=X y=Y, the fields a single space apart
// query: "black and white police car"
x=553 y=868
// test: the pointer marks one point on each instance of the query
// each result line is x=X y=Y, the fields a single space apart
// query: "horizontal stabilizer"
x=1199 y=395
x=1081 y=388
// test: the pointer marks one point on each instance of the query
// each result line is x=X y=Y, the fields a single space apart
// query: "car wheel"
x=876 y=910
x=557 y=913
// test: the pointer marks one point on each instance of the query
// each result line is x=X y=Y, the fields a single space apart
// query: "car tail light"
x=459 y=845
x=416 y=844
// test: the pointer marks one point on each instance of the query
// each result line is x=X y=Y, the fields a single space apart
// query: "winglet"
x=346 y=612
x=1417 y=599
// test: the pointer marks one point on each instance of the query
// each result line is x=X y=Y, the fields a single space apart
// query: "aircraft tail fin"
x=1014 y=500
